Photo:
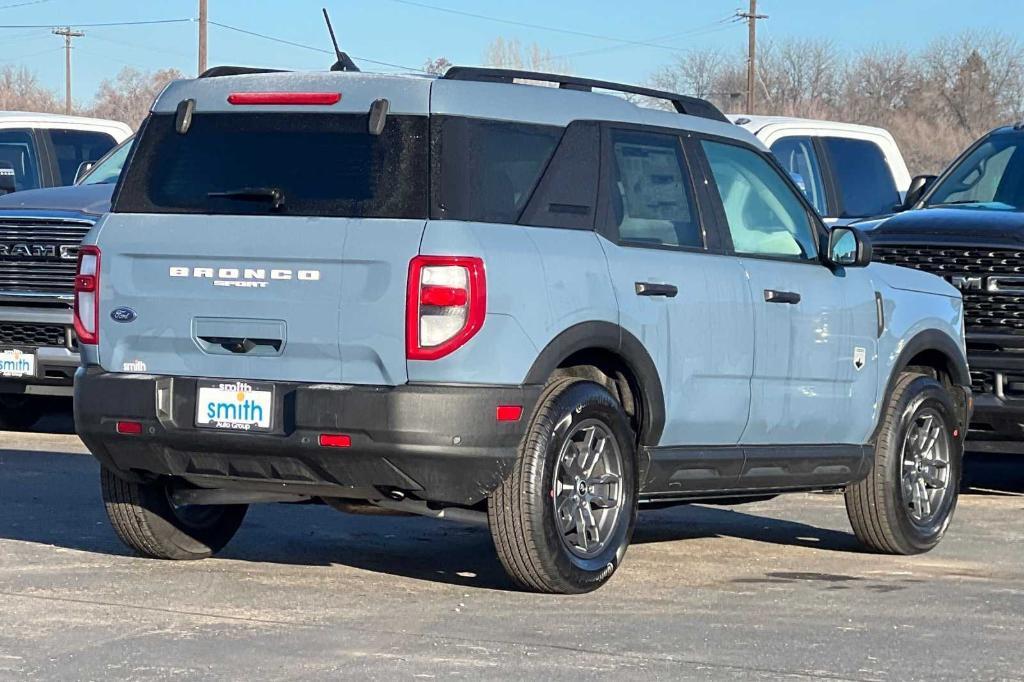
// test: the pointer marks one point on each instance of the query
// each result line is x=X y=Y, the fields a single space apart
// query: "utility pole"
x=68 y=34
x=751 y=16
x=203 y=21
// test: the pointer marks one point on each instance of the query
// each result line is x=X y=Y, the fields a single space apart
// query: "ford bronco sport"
x=529 y=307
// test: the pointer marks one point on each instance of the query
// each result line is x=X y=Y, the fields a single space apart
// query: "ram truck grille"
x=39 y=255
x=20 y=335
x=991 y=281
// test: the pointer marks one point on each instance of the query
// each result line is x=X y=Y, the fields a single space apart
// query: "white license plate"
x=17 y=363
x=234 y=405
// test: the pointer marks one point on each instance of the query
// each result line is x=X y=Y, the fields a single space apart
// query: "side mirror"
x=848 y=247
x=918 y=186
x=83 y=168
x=7 y=178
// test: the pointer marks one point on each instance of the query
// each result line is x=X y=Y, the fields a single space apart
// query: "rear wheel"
x=146 y=519
x=907 y=501
x=20 y=412
x=562 y=521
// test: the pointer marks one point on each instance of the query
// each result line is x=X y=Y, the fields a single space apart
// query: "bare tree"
x=698 y=73
x=437 y=67
x=510 y=54
x=20 y=91
x=130 y=94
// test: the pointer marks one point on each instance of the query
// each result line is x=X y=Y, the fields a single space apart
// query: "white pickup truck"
x=848 y=172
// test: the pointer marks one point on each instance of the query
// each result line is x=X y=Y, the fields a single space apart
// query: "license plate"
x=234 y=405
x=17 y=363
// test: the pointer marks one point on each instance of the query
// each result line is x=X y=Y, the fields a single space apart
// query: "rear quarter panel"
x=540 y=281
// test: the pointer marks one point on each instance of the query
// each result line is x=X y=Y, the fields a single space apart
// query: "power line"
x=714 y=27
x=24 y=4
x=539 y=27
x=106 y=23
x=307 y=47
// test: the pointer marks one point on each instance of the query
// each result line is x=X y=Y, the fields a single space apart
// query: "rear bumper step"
x=438 y=443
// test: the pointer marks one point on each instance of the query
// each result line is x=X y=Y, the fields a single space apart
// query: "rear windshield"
x=280 y=163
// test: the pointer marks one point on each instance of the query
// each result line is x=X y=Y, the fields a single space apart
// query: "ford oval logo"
x=123 y=315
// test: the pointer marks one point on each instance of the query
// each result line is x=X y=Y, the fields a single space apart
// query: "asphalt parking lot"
x=767 y=590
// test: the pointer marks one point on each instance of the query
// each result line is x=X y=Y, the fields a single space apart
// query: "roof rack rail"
x=684 y=104
x=217 y=71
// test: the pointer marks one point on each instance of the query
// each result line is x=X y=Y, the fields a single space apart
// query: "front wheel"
x=562 y=520
x=907 y=501
x=146 y=519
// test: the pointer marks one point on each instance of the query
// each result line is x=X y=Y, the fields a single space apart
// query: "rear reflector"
x=509 y=413
x=335 y=440
x=321 y=98
x=129 y=428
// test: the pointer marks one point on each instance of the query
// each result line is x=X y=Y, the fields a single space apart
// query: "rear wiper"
x=272 y=194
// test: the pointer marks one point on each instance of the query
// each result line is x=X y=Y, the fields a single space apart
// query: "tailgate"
x=256 y=297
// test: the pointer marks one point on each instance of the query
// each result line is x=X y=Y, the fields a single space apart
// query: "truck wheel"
x=906 y=503
x=562 y=520
x=145 y=519
x=20 y=412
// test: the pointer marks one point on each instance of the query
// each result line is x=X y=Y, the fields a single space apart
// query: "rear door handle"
x=655 y=289
x=773 y=296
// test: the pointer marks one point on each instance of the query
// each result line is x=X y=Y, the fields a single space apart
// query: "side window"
x=75 y=147
x=651 y=198
x=489 y=168
x=765 y=216
x=866 y=187
x=17 y=151
x=797 y=156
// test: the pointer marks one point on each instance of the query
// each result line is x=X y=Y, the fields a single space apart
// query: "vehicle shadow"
x=53 y=499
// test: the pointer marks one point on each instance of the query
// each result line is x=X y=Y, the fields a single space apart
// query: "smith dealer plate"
x=234 y=405
x=17 y=363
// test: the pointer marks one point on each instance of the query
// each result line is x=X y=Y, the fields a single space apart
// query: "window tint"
x=489 y=168
x=765 y=216
x=866 y=187
x=797 y=156
x=651 y=201
x=17 y=151
x=990 y=177
x=75 y=147
x=322 y=164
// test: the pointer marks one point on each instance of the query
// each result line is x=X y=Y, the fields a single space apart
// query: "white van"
x=848 y=172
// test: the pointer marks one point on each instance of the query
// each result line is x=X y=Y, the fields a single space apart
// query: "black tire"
x=878 y=507
x=146 y=521
x=521 y=511
x=21 y=412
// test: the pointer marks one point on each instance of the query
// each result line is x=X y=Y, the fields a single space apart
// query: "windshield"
x=283 y=163
x=108 y=169
x=990 y=177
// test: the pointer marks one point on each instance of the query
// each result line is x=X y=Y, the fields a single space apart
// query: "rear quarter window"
x=488 y=169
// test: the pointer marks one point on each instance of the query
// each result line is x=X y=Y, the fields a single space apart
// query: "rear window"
x=866 y=186
x=317 y=164
x=75 y=147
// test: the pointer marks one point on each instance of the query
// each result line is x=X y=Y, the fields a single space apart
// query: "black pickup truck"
x=967 y=226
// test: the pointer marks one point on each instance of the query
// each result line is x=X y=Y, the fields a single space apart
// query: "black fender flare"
x=934 y=340
x=610 y=337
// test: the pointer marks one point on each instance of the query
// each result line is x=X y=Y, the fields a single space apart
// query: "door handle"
x=773 y=296
x=655 y=289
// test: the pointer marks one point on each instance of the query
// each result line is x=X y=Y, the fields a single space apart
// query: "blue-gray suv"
x=535 y=308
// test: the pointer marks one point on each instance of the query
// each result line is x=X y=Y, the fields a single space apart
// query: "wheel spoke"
x=566 y=514
x=603 y=501
x=592 y=531
x=581 y=530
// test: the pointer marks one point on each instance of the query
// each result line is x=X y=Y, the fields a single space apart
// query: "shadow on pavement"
x=53 y=499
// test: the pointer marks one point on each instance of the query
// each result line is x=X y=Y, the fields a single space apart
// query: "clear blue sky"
x=399 y=32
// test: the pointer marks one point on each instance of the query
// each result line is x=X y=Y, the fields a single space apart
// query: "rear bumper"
x=438 y=443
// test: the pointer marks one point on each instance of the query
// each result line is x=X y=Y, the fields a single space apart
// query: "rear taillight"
x=87 y=296
x=445 y=306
